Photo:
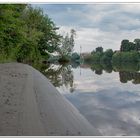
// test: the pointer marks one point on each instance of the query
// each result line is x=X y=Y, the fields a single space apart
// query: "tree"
x=108 y=52
x=99 y=49
x=93 y=52
x=11 y=27
x=124 y=45
x=26 y=33
x=67 y=46
x=132 y=46
x=127 y=46
x=107 y=56
x=123 y=57
x=137 y=42
x=50 y=41
x=72 y=36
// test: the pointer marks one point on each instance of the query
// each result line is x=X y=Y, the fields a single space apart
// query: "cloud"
x=90 y=38
x=97 y=24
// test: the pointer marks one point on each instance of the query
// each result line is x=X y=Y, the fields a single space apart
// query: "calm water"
x=108 y=97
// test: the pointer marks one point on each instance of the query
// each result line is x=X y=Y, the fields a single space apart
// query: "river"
x=108 y=97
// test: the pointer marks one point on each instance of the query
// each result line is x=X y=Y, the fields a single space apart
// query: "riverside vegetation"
x=28 y=35
x=129 y=52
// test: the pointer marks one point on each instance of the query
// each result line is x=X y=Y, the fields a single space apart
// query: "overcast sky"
x=96 y=25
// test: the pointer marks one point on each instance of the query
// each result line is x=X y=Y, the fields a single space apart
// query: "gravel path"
x=31 y=106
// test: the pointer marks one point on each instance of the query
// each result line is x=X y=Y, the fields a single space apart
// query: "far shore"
x=31 y=106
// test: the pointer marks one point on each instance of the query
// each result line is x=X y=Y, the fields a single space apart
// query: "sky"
x=96 y=25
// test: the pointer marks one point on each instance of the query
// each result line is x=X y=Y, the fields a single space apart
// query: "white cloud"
x=90 y=38
x=103 y=25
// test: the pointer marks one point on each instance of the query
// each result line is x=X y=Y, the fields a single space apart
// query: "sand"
x=31 y=106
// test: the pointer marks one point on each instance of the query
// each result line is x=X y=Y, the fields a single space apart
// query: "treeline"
x=129 y=52
x=29 y=35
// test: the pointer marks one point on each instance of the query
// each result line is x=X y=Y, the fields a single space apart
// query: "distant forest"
x=129 y=52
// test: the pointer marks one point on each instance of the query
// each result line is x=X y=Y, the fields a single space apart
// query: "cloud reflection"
x=112 y=112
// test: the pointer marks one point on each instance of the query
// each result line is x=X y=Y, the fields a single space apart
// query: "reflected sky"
x=110 y=111
x=111 y=106
x=109 y=99
x=85 y=80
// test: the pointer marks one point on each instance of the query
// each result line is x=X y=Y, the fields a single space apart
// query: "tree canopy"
x=26 y=33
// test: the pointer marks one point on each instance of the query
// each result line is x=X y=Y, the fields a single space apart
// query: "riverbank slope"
x=31 y=106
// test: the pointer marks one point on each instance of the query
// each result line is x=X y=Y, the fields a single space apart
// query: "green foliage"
x=100 y=56
x=99 y=49
x=137 y=42
x=107 y=56
x=26 y=34
x=130 y=46
x=11 y=31
x=96 y=57
x=122 y=57
x=50 y=40
x=124 y=45
x=67 y=44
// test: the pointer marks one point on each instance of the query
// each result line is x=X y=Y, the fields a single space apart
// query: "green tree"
x=107 y=56
x=137 y=42
x=123 y=57
x=29 y=49
x=50 y=41
x=26 y=34
x=99 y=49
x=127 y=46
x=67 y=46
x=124 y=45
x=11 y=27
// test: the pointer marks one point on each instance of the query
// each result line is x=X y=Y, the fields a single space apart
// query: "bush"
x=121 y=57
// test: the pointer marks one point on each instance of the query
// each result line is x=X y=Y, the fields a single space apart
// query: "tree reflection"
x=129 y=76
x=60 y=75
x=97 y=68
x=127 y=71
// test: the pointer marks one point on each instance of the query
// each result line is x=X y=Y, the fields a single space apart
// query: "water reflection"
x=129 y=76
x=60 y=75
x=63 y=74
x=107 y=95
x=98 y=68
x=111 y=111
x=127 y=72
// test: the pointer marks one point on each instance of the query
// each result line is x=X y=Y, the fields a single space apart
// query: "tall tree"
x=99 y=49
x=137 y=42
x=50 y=41
x=124 y=45
x=67 y=46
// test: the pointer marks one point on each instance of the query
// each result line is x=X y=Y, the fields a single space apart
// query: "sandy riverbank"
x=31 y=106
